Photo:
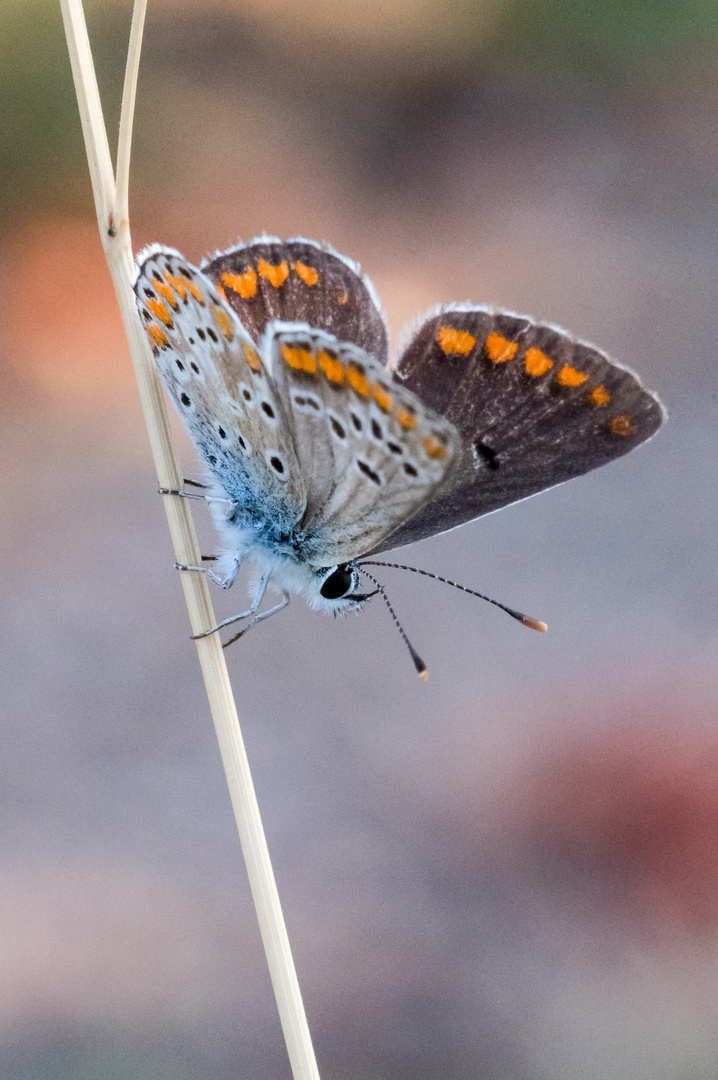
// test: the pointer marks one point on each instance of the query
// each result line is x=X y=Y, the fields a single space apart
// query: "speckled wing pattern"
x=300 y=281
x=215 y=376
x=304 y=430
x=370 y=452
x=534 y=407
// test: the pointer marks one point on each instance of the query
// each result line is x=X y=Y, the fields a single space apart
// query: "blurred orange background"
x=511 y=872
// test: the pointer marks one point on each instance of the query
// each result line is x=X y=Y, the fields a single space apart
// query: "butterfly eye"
x=338 y=584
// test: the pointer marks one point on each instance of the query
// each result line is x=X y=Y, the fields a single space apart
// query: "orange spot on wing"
x=221 y=292
x=308 y=274
x=537 y=363
x=244 y=284
x=343 y=298
x=622 y=425
x=192 y=288
x=275 y=275
x=183 y=285
x=599 y=396
x=223 y=322
x=406 y=419
x=331 y=367
x=499 y=349
x=251 y=356
x=358 y=381
x=178 y=284
x=164 y=290
x=157 y=336
x=452 y=340
x=299 y=359
x=434 y=448
x=382 y=397
x=160 y=311
x=569 y=376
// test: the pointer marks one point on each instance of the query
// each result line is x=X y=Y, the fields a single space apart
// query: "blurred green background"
x=509 y=873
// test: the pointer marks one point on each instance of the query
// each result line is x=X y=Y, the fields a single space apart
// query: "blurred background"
x=510 y=873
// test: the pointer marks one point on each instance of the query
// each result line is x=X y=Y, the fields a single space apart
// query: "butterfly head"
x=336 y=588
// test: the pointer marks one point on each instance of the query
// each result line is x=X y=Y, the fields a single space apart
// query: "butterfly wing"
x=371 y=453
x=299 y=281
x=214 y=374
x=534 y=408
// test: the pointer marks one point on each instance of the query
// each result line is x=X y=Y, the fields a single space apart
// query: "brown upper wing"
x=300 y=281
x=534 y=408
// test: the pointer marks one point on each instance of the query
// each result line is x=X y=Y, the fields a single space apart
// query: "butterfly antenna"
x=534 y=624
x=421 y=668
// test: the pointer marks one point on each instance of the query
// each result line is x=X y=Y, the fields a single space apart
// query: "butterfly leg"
x=224 y=583
x=260 y=618
x=191 y=495
x=256 y=601
x=230 y=577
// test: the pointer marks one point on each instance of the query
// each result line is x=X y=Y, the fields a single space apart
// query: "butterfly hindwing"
x=534 y=408
x=300 y=281
x=213 y=372
x=371 y=453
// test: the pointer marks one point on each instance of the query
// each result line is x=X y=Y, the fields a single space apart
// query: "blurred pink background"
x=510 y=872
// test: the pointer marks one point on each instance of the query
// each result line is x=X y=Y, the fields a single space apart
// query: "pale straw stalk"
x=111 y=202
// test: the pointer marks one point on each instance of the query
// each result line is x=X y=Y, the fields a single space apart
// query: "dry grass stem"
x=111 y=201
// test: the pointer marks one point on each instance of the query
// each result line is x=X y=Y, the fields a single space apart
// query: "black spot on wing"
x=366 y=469
x=490 y=456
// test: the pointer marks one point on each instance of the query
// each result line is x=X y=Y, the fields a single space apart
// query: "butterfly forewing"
x=371 y=453
x=222 y=392
x=299 y=281
x=534 y=408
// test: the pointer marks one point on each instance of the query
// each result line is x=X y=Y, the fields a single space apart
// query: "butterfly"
x=322 y=452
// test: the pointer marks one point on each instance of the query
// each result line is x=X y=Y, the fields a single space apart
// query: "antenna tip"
x=534 y=624
x=421 y=669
